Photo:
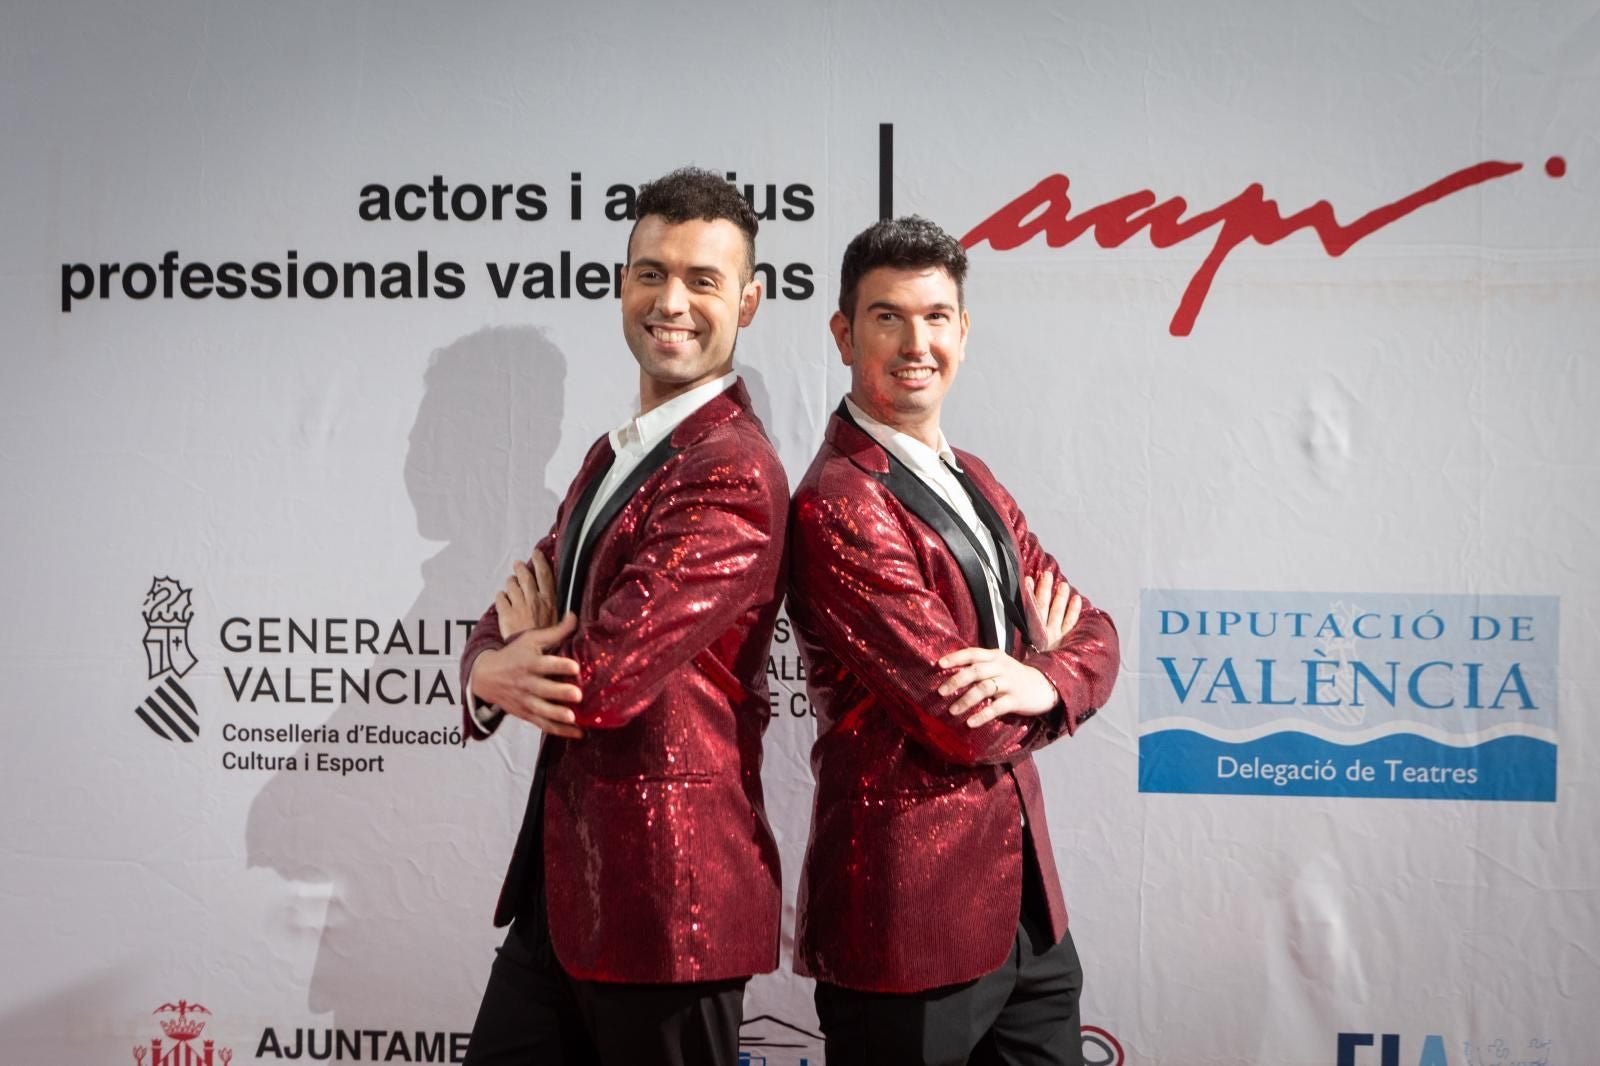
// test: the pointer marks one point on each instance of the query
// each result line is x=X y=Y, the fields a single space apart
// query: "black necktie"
x=1007 y=581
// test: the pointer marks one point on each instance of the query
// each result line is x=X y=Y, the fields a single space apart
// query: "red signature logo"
x=1047 y=209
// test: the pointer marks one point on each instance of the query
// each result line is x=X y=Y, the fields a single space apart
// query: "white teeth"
x=915 y=373
x=671 y=336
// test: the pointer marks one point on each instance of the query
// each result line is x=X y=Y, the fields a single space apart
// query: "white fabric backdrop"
x=1409 y=423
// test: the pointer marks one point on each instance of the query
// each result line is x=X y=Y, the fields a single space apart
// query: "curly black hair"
x=691 y=193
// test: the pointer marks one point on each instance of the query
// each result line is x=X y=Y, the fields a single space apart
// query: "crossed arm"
x=710 y=547
x=522 y=677
x=872 y=606
x=990 y=682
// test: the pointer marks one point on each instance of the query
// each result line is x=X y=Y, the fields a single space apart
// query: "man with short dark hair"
x=644 y=891
x=942 y=648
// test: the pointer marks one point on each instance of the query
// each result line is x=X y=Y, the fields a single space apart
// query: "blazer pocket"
x=917 y=791
x=682 y=777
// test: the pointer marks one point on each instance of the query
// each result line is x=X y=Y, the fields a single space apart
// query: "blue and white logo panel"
x=1344 y=694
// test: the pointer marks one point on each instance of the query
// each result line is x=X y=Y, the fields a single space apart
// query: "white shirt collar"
x=906 y=448
x=644 y=431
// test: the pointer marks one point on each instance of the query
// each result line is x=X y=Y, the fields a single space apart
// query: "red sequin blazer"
x=658 y=861
x=913 y=875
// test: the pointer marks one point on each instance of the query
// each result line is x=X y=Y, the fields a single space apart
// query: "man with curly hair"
x=643 y=891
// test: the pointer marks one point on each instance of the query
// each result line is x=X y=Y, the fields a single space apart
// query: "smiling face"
x=684 y=300
x=903 y=346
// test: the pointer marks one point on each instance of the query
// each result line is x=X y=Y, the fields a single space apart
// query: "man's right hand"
x=525 y=682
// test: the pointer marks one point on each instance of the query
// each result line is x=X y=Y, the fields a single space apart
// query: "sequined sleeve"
x=1084 y=668
x=857 y=584
x=485 y=636
x=708 y=548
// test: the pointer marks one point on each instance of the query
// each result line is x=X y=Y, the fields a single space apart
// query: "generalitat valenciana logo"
x=167 y=709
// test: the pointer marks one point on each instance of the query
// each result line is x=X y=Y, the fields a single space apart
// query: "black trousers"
x=1023 y=1014
x=535 y=1014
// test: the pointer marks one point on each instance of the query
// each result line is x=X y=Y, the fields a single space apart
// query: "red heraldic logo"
x=182 y=1025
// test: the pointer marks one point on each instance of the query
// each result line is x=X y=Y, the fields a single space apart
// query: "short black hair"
x=694 y=193
x=910 y=242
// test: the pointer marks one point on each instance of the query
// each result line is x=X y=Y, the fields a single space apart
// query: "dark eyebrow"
x=887 y=305
x=656 y=264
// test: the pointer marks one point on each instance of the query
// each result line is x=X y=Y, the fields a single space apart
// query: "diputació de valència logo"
x=1394 y=695
x=167 y=709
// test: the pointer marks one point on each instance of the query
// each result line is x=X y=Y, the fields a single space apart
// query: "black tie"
x=1010 y=589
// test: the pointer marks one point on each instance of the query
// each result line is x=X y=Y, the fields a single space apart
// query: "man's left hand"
x=529 y=599
x=989 y=674
x=1052 y=608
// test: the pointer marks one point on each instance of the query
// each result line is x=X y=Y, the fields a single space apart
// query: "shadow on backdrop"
x=409 y=860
